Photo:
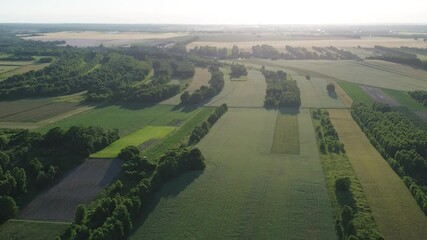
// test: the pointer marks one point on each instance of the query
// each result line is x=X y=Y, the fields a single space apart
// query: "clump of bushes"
x=200 y=131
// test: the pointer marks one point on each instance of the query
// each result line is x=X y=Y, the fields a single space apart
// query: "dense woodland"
x=400 y=142
x=30 y=161
x=281 y=92
x=113 y=213
x=238 y=70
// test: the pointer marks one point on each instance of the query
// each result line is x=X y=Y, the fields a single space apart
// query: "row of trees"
x=281 y=92
x=31 y=161
x=399 y=141
x=200 y=131
x=420 y=96
x=329 y=141
x=397 y=55
x=112 y=215
x=216 y=84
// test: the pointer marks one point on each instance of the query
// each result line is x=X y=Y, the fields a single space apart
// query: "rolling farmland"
x=245 y=192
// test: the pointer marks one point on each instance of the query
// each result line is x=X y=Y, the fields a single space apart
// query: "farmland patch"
x=286 y=140
x=80 y=185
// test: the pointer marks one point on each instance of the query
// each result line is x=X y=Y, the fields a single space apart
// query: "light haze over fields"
x=214 y=12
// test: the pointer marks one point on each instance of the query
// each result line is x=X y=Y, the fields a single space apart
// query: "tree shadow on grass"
x=346 y=198
x=169 y=189
x=332 y=94
x=289 y=111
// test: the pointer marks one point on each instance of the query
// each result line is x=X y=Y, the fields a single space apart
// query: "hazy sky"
x=215 y=11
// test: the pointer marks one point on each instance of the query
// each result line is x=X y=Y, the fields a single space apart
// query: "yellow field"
x=395 y=211
x=308 y=43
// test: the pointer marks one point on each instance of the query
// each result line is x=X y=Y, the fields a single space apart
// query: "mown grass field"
x=34 y=230
x=134 y=139
x=286 y=140
x=249 y=93
x=128 y=119
x=404 y=99
x=355 y=92
x=395 y=211
x=245 y=192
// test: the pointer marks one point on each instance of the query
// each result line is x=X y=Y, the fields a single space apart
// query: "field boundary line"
x=38 y=221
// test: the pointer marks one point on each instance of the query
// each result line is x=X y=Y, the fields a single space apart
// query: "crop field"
x=245 y=192
x=22 y=69
x=364 y=42
x=315 y=95
x=395 y=211
x=92 y=38
x=136 y=138
x=201 y=78
x=249 y=93
x=286 y=140
x=128 y=119
x=79 y=186
x=351 y=71
x=34 y=230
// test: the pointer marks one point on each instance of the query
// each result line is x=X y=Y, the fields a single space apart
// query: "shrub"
x=343 y=184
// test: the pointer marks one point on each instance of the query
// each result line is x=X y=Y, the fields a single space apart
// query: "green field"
x=395 y=211
x=134 y=139
x=355 y=92
x=249 y=93
x=404 y=99
x=245 y=192
x=34 y=230
x=314 y=93
x=286 y=140
x=127 y=119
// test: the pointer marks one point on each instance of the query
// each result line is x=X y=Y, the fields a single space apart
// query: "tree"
x=128 y=153
x=343 y=184
x=4 y=160
x=235 y=52
x=308 y=77
x=8 y=208
x=330 y=87
x=196 y=97
x=185 y=96
x=80 y=214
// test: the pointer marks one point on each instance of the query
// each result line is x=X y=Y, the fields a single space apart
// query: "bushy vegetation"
x=420 y=96
x=399 y=141
x=238 y=70
x=329 y=141
x=281 y=92
x=354 y=219
x=112 y=215
x=200 y=131
x=31 y=161
x=216 y=84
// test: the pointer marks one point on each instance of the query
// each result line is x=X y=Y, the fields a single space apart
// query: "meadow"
x=245 y=191
x=136 y=138
x=395 y=211
x=22 y=229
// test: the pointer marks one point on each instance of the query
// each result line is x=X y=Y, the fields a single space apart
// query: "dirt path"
x=379 y=96
x=396 y=213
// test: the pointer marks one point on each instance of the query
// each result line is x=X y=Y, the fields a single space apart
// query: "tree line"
x=400 y=56
x=200 y=131
x=329 y=141
x=116 y=209
x=280 y=92
x=31 y=161
x=216 y=84
x=399 y=141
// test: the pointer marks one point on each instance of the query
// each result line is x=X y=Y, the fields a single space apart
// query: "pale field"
x=395 y=210
x=308 y=43
x=372 y=73
x=106 y=35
